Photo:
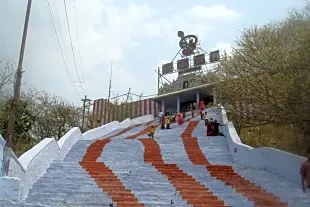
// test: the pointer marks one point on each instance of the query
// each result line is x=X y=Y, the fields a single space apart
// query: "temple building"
x=192 y=84
x=184 y=94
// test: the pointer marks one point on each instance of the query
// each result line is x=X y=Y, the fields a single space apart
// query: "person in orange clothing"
x=152 y=132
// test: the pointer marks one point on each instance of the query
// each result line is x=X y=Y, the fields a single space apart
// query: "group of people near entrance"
x=166 y=122
x=167 y=119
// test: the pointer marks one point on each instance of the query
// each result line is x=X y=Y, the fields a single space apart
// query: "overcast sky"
x=136 y=35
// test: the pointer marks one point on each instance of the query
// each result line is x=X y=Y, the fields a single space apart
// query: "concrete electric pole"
x=107 y=105
x=11 y=124
x=84 y=108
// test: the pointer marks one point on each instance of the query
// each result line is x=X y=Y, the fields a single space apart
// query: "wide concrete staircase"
x=180 y=167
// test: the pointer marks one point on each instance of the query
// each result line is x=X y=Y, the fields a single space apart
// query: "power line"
x=58 y=21
x=77 y=34
x=72 y=47
x=59 y=45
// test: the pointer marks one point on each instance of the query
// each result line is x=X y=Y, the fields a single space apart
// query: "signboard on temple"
x=183 y=64
x=214 y=56
x=199 y=60
x=167 y=68
x=189 y=70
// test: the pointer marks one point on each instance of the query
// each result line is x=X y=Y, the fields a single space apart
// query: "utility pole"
x=126 y=103
x=108 y=102
x=84 y=108
x=110 y=83
x=128 y=95
x=88 y=107
x=158 y=77
x=88 y=110
x=140 y=98
x=16 y=97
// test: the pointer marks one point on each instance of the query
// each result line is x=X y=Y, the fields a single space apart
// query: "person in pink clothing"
x=180 y=118
x=201 y=107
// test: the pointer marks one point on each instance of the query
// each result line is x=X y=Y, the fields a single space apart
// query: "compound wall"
x=104 y=113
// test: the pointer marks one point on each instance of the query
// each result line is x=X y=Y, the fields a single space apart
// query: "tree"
x=65 y=117
x=25 y=120
x=6 y=76
x=54 y=116
x=268 y=75
x=40 y=115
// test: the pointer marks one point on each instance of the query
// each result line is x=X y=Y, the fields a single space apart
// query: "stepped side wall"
x=270 y=159
x=30 y=166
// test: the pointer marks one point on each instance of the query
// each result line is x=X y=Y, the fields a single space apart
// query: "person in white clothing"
x=160 y=115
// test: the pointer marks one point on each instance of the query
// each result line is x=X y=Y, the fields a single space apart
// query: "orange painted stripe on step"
x=142 y=132
x=191 y=190
x=189 y=129
x=104 y=176
x=226 y=173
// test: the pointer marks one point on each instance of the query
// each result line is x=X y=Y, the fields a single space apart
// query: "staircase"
x=180 y=167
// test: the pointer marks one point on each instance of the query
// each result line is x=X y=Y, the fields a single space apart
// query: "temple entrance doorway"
x=208 y=99
x=187 y=106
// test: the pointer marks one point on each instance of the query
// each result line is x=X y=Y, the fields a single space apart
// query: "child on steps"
x=152 y=131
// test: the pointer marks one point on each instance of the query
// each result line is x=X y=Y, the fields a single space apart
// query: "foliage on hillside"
x=40 y=115
x=25 y=120
x=269 y=73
